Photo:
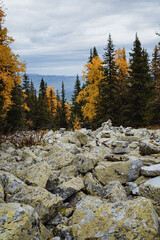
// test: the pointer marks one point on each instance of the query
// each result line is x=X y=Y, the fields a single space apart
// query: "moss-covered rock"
x=114 y=192
x=118 y=171
x=19 y=221
x=45 y=203
x=67 y=189
x=36 y=174
x=84 y=163
x=92 y=185
x=148 y=148
x=95 y=219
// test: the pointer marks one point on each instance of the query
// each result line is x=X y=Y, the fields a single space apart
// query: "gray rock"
x=92 y=185
x=120 y=147
x=146 y=148
x=118 y=171
x=114 y=192
x=151 y=190
x=67 y=189
x=132 y=188
x=151 y=171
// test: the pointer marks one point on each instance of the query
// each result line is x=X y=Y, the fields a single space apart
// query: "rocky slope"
x=82 y=185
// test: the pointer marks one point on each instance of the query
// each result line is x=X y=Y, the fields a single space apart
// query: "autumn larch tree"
x=92 y=74
x=10 y=67
x=122 y=68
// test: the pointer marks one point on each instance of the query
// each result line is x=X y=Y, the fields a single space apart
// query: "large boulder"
x=148 y=148
x=36 y=174
x=45 y=203
x=97 y=219
x=151 y=189
x=19 y=221
x=118 y=171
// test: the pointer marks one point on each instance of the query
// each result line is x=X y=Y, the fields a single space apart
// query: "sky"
x=54 y=37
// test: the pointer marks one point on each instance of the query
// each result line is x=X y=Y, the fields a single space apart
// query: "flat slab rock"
x=154 y=182
x=151 y=171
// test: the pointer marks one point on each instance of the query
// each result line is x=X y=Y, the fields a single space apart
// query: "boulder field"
x=102 y=184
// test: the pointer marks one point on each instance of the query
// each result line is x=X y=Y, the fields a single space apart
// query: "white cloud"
x=63 y=27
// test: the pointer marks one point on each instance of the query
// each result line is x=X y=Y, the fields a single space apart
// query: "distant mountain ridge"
x=56 y=81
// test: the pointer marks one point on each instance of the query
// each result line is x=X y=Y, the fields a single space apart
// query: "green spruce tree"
x=155 y=69
x=107 y=102
x=140 y=86
x=63 y=120
x=16 y=115
x=76 y=112
x=43 y=116
x=32 y=105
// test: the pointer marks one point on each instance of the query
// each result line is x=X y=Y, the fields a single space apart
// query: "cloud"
x=62 y=29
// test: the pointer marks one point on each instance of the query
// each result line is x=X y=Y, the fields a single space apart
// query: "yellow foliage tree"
x=92 y=75
x=122 y=65
x=10 y=67
x=52 y=100
x=68 y=111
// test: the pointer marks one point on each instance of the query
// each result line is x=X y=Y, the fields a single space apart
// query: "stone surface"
x=151 y=171
x=118 y=171
x=19 y=221
x=84 y=184
x=146 y=148
x=35 y=175
x=116 y=158
x=67 y=189
x=45 y=203
x=93 y=187
x=114 y=192
x=120 y=147
x=84 y=163
x=151 y=189
x=95 y=219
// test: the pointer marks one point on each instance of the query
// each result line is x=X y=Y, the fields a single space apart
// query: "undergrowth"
x=22 y=139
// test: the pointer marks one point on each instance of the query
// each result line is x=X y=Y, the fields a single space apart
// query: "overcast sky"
x=55 y=36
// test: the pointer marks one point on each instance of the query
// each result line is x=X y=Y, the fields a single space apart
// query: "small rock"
x=114 y=192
